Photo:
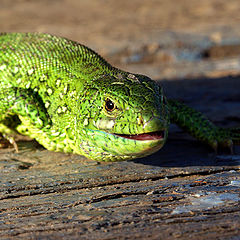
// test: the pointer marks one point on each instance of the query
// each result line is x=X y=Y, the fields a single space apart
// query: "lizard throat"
x=159 y=135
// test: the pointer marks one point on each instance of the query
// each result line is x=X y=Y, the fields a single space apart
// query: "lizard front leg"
x=16 y=103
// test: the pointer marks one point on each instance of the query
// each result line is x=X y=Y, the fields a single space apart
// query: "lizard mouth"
x=158 y=135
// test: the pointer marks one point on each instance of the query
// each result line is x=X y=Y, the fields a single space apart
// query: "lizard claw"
x=227 y=144
x=6 y=141
x=225 y=139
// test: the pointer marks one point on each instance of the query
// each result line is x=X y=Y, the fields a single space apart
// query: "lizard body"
x=70 y=99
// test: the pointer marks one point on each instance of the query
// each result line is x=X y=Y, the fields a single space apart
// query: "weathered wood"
x=118 y=201
x=184 y=191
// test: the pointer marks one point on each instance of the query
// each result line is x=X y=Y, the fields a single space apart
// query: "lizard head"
x=126 y=116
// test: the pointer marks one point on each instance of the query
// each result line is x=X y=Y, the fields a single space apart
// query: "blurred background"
x=168 y=38
x=191 y=47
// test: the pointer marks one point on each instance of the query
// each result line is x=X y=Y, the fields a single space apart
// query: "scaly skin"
x=70 y=99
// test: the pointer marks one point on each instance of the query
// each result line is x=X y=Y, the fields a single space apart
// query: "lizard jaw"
x=158 y=135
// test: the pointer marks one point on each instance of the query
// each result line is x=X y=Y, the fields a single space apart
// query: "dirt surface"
x=184 y=191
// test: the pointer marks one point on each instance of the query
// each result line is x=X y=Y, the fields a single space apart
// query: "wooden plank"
x=180 y=192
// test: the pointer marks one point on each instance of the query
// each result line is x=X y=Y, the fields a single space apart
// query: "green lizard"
x=70 y=99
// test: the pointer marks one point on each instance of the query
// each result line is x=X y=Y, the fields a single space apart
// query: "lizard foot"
x=225 y=139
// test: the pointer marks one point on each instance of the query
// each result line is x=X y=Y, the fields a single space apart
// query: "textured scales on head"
x=134 y=124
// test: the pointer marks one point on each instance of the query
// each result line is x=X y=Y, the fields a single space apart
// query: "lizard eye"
x=109 y=105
